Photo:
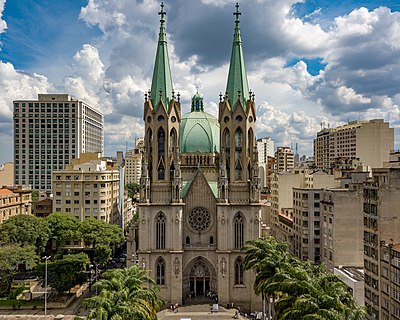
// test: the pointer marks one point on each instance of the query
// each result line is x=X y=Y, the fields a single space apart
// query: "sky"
x=311 y=63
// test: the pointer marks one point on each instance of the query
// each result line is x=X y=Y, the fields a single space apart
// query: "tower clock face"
x=199 y=219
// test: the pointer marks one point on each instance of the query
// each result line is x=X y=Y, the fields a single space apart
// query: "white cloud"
x=3 y=24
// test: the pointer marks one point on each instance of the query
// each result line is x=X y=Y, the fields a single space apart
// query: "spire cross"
x=237 y=13
x=162 y=13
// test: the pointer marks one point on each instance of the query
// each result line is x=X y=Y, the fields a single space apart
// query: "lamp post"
x=45 y=286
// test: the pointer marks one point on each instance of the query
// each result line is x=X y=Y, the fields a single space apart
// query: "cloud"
x=3 y=24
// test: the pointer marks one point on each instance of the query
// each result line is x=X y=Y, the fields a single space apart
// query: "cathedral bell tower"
x=162 y=111
x=238 y=176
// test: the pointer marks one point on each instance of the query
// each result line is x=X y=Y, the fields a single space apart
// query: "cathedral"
x=200 y=188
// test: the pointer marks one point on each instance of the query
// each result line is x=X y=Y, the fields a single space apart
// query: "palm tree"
x=125 y=294
x=265 y=256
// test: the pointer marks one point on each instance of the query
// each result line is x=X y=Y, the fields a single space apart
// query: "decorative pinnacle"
x=160 y=94
x=145 y=96
x=162 y=13
x=179 y=97
x=173 y=94
x=237 y=13
x=220 y=97
x=239 y=93
x=253 y=96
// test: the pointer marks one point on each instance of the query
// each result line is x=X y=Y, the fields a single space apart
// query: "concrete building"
x=200 y=189
x=284 y=159
x=342 y=227
x=42 y=208
x=48 y=133
x=88 y=187
x=7 y=174
x=15 y=200
x=354 y=279
x=266 y=151
x=381 y=225
x=133 y=162
x=369 y=141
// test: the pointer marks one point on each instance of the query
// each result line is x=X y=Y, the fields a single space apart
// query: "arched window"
x=227 y=141
x=172 y=140
x=238 y=154
x=160 y=231
x=239 y=271
x=161 y=154
x=150 y=141
x=160 y=269
x=238 y=221
x=187 y=240
x=211 y=240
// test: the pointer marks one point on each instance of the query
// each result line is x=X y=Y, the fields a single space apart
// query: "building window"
x=160 y=267
x=238 y=221
x=161 y=154
x=239 y=271
x=160 y=231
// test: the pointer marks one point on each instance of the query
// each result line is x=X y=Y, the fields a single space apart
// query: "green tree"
x=35 y=196
x=65 y=273
x=125 y=294
x=11 y=255
x=99 y=233
x=25 y=230
x=62 y=227
x=132 y=188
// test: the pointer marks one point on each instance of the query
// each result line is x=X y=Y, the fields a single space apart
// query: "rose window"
x=199 y=219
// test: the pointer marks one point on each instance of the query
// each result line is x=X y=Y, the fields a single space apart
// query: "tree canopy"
x=132 y=188
x=125 y=294
x=62 y=227
x=65 y=273
x=25 y=230
x=11 y=255
x=303 y=290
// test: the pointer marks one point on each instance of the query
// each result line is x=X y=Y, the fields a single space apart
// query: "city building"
x=342 y=227
x=15 y=200
x=48 y=133
x=88 y=187
x=284 y=159
x=42 y=208
x=381 y=225
x=370 y=141
x=7 y=174
x=200 y=189
x=354 y=279
x=266 y=150
x=133 y=163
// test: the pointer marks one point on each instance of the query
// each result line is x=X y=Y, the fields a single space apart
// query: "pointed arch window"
x=160 y=271
x=161 y=154
x=238 y=222
x=239 y=271
x=160 y=231
x=227 y=141
x=238 y=154
x=150 y=150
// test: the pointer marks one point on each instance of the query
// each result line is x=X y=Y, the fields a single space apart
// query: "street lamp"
x=45 y=286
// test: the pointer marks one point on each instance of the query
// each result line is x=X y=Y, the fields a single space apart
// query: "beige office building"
x=371 y=141
x=15 y=201
x=88 y=187
x=342 y=227
x=133 y=167
x=49 y=132
x=381 y=225
x=284 y=159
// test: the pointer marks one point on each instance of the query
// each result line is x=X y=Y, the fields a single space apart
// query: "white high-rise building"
x=265 y=147
x=49 y=132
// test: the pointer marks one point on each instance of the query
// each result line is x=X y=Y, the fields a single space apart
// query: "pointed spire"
x=237 y=78
x=161 y=85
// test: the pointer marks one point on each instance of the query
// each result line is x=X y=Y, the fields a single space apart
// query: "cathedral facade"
x=199 y=200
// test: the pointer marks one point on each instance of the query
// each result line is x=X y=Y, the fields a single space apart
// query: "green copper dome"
x=199 y=130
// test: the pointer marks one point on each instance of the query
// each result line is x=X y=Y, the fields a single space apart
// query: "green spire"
x=161 y=84
x=237 y=78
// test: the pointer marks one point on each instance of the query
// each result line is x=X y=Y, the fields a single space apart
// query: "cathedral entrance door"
x=199 y=286
x=199 y=279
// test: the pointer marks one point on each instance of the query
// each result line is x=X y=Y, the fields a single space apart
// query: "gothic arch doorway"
x=199 y=278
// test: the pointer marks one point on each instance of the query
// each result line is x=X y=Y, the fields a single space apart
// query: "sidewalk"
x=197 y=312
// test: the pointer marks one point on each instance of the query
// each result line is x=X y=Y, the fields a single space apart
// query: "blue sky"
x=308 y=62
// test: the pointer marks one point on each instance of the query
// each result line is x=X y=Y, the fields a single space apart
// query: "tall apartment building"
x=370 y=141
x=342 y=227
x=284 y=159
x=282 y=201
x=381 y=224
x=265 y=147
x=49 y=132
x=389 y=281
x=133 y=163
x=15 y=201
x=88 y=187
